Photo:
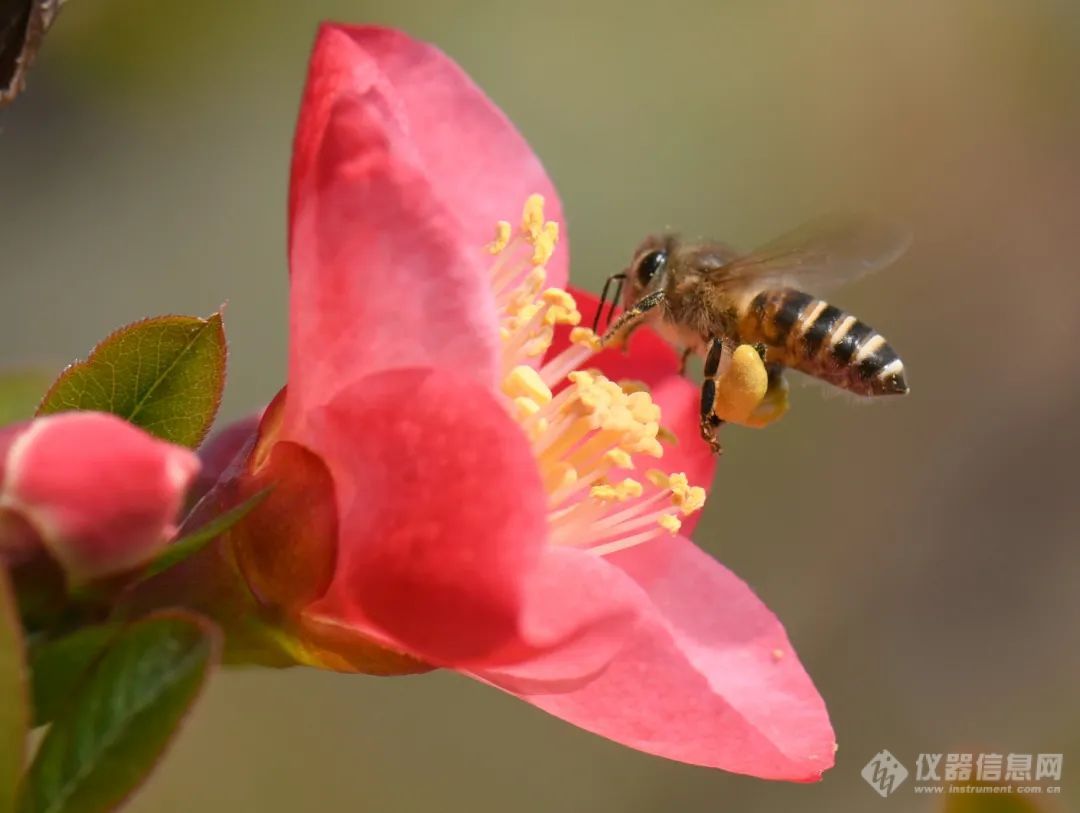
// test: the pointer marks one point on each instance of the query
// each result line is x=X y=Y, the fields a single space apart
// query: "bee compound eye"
x=650 y=265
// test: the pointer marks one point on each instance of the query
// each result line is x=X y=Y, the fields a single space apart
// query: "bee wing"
x=826 y=251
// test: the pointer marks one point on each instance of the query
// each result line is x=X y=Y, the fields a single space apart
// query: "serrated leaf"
x=105 y=742
x=20 y=394
x=58 y=667
x=191 y=543
x=165 y=375
x=14 y=712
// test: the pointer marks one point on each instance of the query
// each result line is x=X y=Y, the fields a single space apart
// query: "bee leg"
x=710 y=425
x=762 y=350
x=632 y=316
x=710 y=422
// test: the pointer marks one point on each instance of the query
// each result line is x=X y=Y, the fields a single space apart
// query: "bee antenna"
x=618 y=279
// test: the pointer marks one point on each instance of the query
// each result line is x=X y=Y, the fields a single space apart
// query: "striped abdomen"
x=810 y=335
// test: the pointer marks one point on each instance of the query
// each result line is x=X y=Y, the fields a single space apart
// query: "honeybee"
x=703 y=297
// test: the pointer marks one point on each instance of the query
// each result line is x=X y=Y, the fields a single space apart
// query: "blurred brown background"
x=923 y=553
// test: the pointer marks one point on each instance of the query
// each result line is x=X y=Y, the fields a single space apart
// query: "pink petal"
x=382 y=276
x=102 y=494
x=8 y=434
x=221 y=453
x=709 y=678
x=577 y=612
x=442 y=514
x=476 y=162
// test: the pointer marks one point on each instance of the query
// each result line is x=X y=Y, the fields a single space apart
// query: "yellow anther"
x=742 y=386
x=619 y=459
x=581 y=378
x=543 y=248
x=626 y=490
x=540 y=343
x=604 y=493
x=669 y=523
x=678 y=483
x=658 y=478
x=532 y=216
x=650 y=447
x=524 y=381
x=525 y=408
x=558 y=315
x=585 y=337
x=557 y=296
x=642 y=407
x=665 y=435
x=632 y=385
x=694 y=500
x=503 y=232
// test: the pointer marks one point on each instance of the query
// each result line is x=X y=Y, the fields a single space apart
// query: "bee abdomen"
x=814 y=337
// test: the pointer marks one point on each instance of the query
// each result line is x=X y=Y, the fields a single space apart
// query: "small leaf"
x=105 y=742
x=58 y=667
x=190 y=544
x=14 y=714
x=165 y=375
x=20 y=394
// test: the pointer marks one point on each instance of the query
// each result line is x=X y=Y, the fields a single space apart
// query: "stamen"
x=525 y=381
x=592 y=429
x=503 y=232
x=532 y=216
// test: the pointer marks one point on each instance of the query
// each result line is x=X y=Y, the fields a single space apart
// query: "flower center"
x=588 y=435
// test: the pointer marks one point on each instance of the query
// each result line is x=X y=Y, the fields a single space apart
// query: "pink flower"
x=100 y=495
x=451 y=488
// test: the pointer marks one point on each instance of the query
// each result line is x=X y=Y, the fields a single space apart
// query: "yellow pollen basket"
x=585 y=429
x=742 y=386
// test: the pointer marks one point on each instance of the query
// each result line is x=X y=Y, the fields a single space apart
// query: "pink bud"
x=101 y=494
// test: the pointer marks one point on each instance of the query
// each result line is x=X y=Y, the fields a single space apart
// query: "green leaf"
x=58 y=667
x=165 y=375
x=14 y=714
x=106 y=740
x=20 y=394
x=192 y=543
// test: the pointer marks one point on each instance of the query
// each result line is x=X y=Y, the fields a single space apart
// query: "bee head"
x=648 y=271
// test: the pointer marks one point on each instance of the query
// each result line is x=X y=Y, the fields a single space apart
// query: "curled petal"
x=101 y=494
x=382 y=276
x=442 y=516
x=709 y=678
x=478 y=165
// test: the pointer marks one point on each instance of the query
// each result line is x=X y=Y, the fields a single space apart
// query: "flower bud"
x=98 y=494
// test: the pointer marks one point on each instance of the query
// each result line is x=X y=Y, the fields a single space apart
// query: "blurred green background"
x=922 y=553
